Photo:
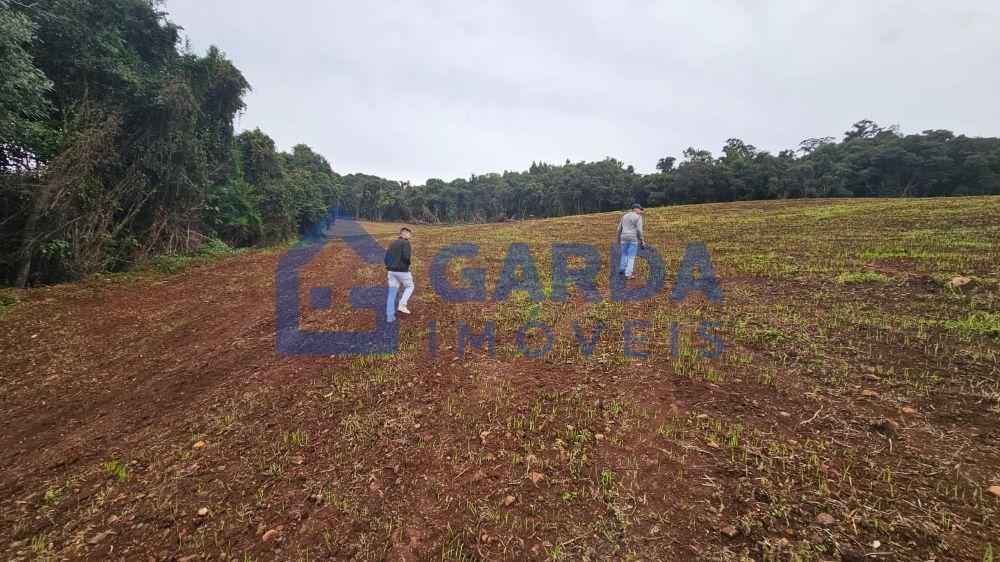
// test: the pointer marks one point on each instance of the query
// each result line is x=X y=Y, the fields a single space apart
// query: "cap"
x=636 y=206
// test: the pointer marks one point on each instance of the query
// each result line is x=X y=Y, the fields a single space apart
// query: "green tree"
x=23 y=88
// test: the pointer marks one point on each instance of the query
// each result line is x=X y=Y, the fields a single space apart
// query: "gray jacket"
x=630 y=228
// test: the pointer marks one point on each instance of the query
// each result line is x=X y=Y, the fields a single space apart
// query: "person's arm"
x=405 y=258
x=638 y=231
x=618 y=235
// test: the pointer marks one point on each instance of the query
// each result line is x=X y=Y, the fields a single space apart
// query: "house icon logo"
x=290 y=339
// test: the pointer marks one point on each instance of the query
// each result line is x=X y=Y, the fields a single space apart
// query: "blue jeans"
x=397 y=278
x=627 y=261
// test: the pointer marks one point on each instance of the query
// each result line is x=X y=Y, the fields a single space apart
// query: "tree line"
x=117 y=143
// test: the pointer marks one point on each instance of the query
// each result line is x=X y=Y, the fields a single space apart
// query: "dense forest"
x=118 y=143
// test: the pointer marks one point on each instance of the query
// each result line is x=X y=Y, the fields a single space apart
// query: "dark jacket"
x=397 y=257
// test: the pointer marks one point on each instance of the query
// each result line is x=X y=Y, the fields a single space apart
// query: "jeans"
x=397 y=278
x=627 y=261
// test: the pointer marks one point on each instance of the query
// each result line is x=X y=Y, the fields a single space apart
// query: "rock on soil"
x=958 y=281
x=825 y=519
x=886 y=426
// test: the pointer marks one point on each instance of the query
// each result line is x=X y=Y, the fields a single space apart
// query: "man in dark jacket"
x=397 y=263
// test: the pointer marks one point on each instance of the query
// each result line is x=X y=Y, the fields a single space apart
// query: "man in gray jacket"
x=630 y=239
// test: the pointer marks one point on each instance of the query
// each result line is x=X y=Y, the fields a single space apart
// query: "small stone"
x=269 y=535
x=886 y=426
x=868 y=392
x=296 y=460
x=958 y=281
x=702 y=417
x=203 y=512
x=784 y=414
x=909 y=410
x=730 y=531
x=536 y=477
x=509 y=500
x=825 y=519
x=599 y=437
x=198 y=445
x=189 y=558
x=995 y=490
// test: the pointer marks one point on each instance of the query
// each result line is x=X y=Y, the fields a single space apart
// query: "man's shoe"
x=621 y=272
x=390 y=320
x=403 y=309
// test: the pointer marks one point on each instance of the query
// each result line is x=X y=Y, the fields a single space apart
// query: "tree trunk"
x=23 y=267
x=28 y=244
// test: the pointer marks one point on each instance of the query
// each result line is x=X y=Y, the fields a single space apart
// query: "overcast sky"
x=416 y=90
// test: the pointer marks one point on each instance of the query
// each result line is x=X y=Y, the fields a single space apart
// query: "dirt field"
x=852 y=414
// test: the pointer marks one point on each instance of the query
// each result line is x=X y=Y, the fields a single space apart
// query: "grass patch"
x=867 y=276
x=977 y=324
x=116 y=469
x=8 y=302
x=176 y=263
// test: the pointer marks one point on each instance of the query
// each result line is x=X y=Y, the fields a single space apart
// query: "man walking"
x=397 y=263
x=630 y=239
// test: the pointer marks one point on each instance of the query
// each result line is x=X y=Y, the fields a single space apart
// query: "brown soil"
x=410 y=457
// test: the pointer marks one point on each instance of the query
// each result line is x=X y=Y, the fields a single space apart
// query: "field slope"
x=852 y=413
